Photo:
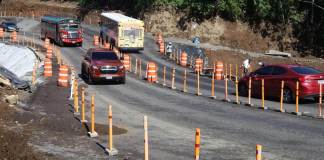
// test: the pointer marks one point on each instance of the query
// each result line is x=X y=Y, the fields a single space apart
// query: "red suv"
x=309 y=79
x=102 y=65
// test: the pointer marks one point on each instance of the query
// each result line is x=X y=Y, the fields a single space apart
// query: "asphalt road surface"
x=228 y=131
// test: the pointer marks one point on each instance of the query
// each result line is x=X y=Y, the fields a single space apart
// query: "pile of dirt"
x=13 y=136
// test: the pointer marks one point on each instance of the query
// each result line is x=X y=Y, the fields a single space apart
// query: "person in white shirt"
x=169 y=50
x=246 y=66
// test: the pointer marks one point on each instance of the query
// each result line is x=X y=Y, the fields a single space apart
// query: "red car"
x=309 y=79
x=102 y=65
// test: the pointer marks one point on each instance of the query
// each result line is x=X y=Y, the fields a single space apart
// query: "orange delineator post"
x=185 y=81
x=146 y=154
x=281 y=96
x=111 y=151
x=236 y=90
x=226 y=89
x=173 y=79
x=83 y=106
x=258 y=152
x=198 y=84
x=92 y=132
x=230 y=72
x=164 y=70
x=197 y=144
x=76 y=96
x=250 y=87
x=110 y=128
x=213 y=84
x=262 y=90
x=297 y=97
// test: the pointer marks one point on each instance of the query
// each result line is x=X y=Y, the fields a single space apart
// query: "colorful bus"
x=61 y=30
x=125 y=33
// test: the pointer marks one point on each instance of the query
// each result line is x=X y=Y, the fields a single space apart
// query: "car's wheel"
x=243 y=90
x=316 y=99
x=123 y=80
x=288 y=96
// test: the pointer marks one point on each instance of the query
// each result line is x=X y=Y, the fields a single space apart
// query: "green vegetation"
x=306 y=17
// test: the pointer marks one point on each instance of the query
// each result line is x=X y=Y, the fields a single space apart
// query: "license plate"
x=108 y=77
x=73 y=41
x=320 y=81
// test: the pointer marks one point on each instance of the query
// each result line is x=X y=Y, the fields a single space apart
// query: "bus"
x=125 y=33
x=61 y=30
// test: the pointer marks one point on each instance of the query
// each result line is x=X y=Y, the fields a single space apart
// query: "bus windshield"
x=69 y=26
x=132 y=33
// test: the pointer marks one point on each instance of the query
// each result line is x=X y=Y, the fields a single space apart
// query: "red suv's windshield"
x=104 y=56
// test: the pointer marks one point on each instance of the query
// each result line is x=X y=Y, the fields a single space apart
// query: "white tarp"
x=19 y=60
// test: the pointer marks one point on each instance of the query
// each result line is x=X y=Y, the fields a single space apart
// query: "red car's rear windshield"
x=306 y=70
x=104 y=56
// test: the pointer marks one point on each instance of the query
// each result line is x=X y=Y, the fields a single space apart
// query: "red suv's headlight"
x=120 y=67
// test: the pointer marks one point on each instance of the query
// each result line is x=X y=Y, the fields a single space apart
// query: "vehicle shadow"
x=275 y=99
x=98 y=83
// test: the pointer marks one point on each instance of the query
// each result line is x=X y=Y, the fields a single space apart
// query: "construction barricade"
x=63 y=79
x=96 y=40
x=159 y=38
x=198 y=65
x=1 y=32
x=161 y=47
x=151 y=72
x=14 y=36
x=219 y=69
x=49 y=52
x=183 y=59
x=48 y=67
x=126 y=62
x=47 y=43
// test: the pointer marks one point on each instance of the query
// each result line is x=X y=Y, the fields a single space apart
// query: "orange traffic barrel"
x=14 y=36
x=47 y=43
x=219 y=68
x=49 y=52
x=126 y=62
x=63 y=78
x=151 y=72
x=1 y=32
x=198 y=65
x=159 y=38
x=183 y=59
x=48 y=67
x=161 y=47
x=95 y=40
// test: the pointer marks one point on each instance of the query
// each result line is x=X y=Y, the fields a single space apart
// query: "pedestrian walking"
x=169 y=50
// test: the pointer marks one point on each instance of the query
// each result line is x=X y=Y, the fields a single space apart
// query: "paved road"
x=228 y=131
